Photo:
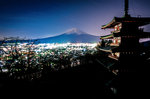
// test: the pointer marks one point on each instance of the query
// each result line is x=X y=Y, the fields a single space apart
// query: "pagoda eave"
x=110 y=36
x=108 y=48
x=111 y=24
x=140 y=21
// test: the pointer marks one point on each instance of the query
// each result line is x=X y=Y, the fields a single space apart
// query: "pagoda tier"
x=137 y=21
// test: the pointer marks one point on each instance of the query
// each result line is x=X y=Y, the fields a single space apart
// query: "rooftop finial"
x=126 y=8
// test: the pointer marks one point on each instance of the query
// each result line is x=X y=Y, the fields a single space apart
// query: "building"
x=125 y=38
x=123 y=45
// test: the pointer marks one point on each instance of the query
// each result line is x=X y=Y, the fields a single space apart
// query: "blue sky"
x=43 y=18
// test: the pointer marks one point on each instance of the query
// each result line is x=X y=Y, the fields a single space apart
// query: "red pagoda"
x=124 y=47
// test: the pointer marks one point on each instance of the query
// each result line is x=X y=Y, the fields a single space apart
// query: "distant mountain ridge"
x=72 y=36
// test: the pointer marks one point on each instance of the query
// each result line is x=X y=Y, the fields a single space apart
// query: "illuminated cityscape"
x=25 y=54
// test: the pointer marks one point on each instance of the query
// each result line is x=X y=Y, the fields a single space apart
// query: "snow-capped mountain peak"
x=74 y=30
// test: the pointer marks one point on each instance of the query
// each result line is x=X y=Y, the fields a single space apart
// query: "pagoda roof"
x=108 y=48
x=110 y=36
x=116 y=20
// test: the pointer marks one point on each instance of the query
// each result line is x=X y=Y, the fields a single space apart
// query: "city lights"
x=25 y=60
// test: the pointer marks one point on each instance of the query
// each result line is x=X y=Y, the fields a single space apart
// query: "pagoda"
x=124 y=47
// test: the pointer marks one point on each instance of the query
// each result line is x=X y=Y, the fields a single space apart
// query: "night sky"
x=44 y=18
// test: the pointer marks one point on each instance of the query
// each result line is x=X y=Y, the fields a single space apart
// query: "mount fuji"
x=73 y=35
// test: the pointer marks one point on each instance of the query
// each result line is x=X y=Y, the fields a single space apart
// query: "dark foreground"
x=87 y=81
